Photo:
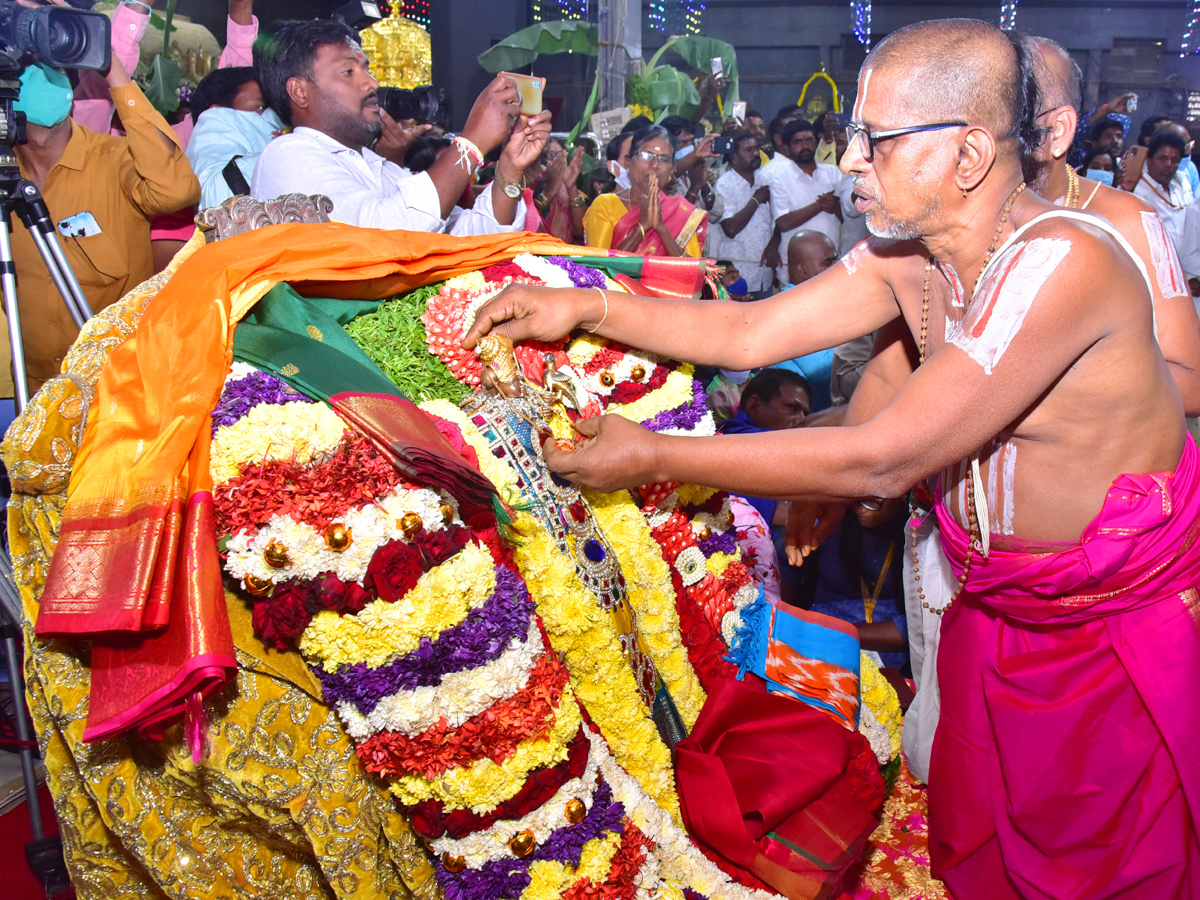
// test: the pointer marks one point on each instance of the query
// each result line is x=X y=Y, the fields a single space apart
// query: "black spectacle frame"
x=856 y=132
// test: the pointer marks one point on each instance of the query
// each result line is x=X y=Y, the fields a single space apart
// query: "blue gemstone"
x=594 y=551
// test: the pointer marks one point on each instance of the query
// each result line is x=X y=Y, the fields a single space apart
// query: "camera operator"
x=101 y=190
x=314 y=75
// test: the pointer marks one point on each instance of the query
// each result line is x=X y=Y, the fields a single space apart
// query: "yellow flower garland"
x=485 y=785
x=383 y=630
x=584 y=634
x=550 y=880
x=274 y=431
x=648 y=582
x=881 y=698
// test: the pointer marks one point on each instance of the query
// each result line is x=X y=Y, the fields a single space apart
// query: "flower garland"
x=296 y=430
x=485 y=784
x=647 y=581
x=486 y=633
x=384 y=630
x=493 y=733
x=881 y=706
x=491 y=843
x=581 y=276
x=247 y=387
x=459 y=696
x=681 y=860
x=317 y=493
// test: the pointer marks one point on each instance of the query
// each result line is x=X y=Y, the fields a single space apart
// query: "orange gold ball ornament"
x=257 y=587
x=410 y=523
x=607 y=379
x=447 y=512
x=638 y=373
x=453 y=864
x=522 y=843
x=576 y=811
x=276 y=555
x=338 y=537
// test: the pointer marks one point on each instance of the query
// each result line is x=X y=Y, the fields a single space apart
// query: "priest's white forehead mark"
x=1011 y=285
x=855 y=257
x=1163 y=257
x=862 y=94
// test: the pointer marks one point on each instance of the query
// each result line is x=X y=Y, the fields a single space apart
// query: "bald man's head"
x=809 y=254
x=1059 y=81
x=952 y=69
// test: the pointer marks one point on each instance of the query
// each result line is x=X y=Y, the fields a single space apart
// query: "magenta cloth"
x=1066 y=762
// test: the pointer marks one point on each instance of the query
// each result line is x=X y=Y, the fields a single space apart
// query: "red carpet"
x=18 y=882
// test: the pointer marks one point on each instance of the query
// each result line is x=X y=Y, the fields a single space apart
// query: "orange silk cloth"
x=136 y=566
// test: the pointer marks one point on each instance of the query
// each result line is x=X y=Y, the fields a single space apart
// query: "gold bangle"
x=604 y=317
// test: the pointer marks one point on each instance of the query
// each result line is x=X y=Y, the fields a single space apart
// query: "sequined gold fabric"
x=279 y=806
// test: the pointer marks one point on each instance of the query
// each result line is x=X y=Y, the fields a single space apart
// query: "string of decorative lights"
x=417 y=10
x=559 y=9
x=1008 y=15
x=1189 y=43
x=675 y=16
x=860 y=13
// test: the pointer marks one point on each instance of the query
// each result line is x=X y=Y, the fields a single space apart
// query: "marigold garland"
x=881 y=699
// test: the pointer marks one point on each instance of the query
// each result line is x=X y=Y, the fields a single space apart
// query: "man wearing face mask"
x=101 y=190
x=233 y=126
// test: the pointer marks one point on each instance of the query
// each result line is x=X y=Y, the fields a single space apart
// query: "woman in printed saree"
x=643 y=219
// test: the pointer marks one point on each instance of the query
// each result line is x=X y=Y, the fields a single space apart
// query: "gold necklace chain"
x=972 y=521
x=1072 y=188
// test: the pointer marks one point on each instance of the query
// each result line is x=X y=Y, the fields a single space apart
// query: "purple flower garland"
x=687 y=415
x=505 y=879
x=242 y=395
x=482 y=636
x=581 y=276
x=725 y=542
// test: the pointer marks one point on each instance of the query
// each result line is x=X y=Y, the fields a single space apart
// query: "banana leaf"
x=588 y=109
x=671 y=91
x=521 y=48
x=162 y=84
x=698 y=51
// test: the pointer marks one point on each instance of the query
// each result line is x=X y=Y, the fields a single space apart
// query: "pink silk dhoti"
x=1067 y=760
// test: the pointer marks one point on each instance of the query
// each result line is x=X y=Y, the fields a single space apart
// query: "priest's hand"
x=524 y=312
x=612 y=453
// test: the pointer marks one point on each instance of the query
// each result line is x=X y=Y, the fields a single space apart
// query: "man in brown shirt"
x=107 y=187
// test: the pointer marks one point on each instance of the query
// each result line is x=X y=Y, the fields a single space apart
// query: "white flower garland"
x=492 y=843
x=681 y=860
x=295 y=430
x=371 y=526
x=460 y=696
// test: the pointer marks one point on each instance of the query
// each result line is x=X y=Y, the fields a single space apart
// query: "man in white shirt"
x=315 y=76
x=807 y=194
x=1163 y=186
x=746 y=227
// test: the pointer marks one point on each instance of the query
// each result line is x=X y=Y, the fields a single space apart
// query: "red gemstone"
x=578 y=513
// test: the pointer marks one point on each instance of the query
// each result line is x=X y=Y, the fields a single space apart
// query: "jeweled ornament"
x=276 y=555
x=410 y=523
x=522 y=843
x=258 y=587
x=576 y=811
x=338 y=537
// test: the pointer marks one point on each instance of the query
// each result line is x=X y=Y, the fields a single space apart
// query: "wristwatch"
x=579 y=200
x=511 y=189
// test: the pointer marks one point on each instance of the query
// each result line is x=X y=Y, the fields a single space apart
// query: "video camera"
x=62 y=37
x=424 y=104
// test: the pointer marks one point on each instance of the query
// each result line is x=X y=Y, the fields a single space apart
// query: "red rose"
x=438 y=546
x=282 y=617
x=393 y=570
x=330 y=592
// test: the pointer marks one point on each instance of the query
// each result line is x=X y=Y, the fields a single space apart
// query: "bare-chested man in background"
x=1066 y=753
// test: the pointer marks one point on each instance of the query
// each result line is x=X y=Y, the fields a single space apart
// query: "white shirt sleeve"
x=481 y=219
x=396 y=199
x=1189 y=245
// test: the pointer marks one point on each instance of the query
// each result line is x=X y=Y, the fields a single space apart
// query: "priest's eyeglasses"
x=868 y=139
